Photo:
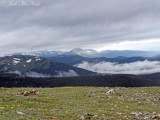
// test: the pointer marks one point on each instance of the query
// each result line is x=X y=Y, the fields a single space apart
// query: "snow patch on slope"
x=37 y=58
x=16 y=61
x=28 y=61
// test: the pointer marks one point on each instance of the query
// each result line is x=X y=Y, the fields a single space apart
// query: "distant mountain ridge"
x=82 y=52
x=91 y=53
x=31 y=65
x=76 y=59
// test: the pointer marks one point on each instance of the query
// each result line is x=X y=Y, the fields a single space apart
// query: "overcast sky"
x=67 y=24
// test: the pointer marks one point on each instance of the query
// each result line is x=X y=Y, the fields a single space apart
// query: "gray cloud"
x=65 y=24
x=31 y=74
x=70 y=73
x=37 y=75
x=140 y=67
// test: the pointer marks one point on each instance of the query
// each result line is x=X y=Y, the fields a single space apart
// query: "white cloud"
x=37 y=75
x=70 y=73
x=16 y=72
x=68 y=26
x=150 y=44
x=140 y=67
x=31 y=74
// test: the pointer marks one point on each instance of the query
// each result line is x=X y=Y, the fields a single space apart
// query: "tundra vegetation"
x=80 y=103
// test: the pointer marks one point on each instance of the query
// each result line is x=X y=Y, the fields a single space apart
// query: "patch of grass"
x=73 y=103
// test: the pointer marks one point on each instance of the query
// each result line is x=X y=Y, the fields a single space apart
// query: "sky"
x=27 y=25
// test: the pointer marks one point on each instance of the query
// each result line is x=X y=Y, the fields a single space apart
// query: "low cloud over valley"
x=140 y=67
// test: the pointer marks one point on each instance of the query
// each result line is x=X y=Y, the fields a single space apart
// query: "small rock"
x=110 y=92
x=20 y=113
x=26 y=93
x=82 y=118
x=146 y=118
x=134 y=113
x=156 y=117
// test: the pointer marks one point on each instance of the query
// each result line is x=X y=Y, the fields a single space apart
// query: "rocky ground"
x=80 y=103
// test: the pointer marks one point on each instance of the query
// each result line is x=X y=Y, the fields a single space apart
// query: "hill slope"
x=35 y=66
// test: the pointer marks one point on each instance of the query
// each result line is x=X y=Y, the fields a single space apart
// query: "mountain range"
x=80 y=62
x=64 y=66
x=91 y=53
x=76 y=59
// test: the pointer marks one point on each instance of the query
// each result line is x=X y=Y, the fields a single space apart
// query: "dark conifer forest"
x=8 y=80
